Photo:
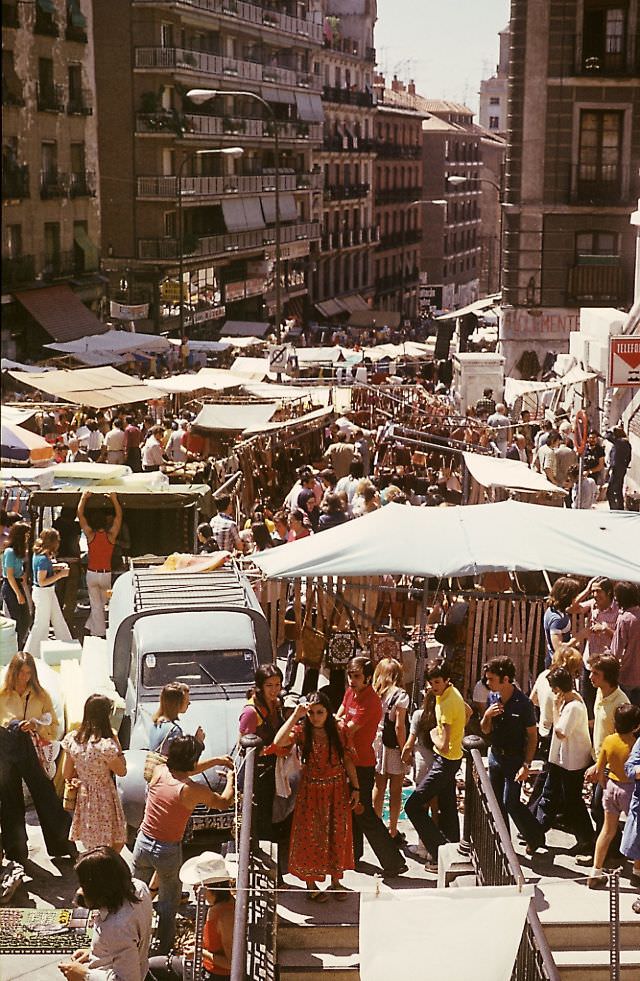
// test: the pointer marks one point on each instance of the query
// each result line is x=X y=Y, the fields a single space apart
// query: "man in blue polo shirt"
x=510 y=720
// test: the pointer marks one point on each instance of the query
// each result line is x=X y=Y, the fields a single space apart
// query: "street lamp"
x=232 y=151
x=199 y=97
x=456 y=180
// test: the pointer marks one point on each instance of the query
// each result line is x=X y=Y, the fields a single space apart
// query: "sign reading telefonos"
x=624 y=362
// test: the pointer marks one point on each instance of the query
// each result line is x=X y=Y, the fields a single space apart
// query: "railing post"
x=252 y=745
x=469 y=743
x=614 y=924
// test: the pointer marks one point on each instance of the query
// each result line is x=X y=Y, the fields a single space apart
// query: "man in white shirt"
x=175 y=448
x=152 y=451
x=115 y=442
x=501 y=423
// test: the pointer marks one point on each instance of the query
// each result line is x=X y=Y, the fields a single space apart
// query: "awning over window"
x=309 y=107
x=329 y=308
x=353 y=302
x=288 y=209
x=242 y=214
x=89 y=250
x=374 y=318
x=60 y=312
x=246 y=328
x=278 y=95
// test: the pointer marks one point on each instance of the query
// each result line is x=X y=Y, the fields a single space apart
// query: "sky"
x=447 y=46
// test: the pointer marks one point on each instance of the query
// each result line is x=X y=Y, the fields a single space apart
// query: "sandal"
x=317 y=896
x=341 y=893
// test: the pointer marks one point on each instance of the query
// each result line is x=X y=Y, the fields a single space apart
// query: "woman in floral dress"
x=321 y=837
x=93 y=756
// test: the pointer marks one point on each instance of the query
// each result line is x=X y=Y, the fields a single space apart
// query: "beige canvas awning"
x=99 y=388
x=269 y=427
x=234 y=417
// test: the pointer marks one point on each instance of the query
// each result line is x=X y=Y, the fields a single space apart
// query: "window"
x=14 y=241
x=49 y=159
x=494 y=122
x=596 y=247
x=600 y=146
x=170 y=224
x=51 y=243
x=494 y=100
x=604 y=37
x=166 y=35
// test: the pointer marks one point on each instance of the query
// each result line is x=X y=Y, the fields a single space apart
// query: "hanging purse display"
x=341 y=643
x=312 y=641
x=385 y=645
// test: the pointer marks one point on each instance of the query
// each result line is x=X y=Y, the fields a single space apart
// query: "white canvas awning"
x=269 y=427
x=309 y=107
x=99 y=388
x=234 y=417
x=478 y=307
x=491 y=471
x=114 y=342
x=463 y=541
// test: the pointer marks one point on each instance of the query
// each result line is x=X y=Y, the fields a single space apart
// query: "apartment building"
x=51 y=222
x=159 y=176
x=343 y=275
x=493 y=91
x=572 y=168
x=398 y=189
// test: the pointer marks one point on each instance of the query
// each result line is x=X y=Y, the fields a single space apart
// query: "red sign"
x=624 y=362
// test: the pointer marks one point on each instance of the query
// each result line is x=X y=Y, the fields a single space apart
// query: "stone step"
x=319 y=963
x=341 y=936
x=593 y=965
x=590 y=936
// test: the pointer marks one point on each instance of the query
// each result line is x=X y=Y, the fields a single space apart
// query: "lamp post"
x=457 y=180
x=200 y=96
x=232 y=151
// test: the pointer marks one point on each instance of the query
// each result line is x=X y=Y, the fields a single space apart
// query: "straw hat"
x=209 y=867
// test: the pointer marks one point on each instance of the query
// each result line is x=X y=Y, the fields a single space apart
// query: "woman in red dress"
x=321 y=838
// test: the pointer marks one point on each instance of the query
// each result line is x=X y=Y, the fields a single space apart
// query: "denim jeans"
x=165 y=858
x=502 y=773
x=439 y=782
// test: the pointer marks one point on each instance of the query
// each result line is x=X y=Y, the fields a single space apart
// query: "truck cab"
x=206 y=630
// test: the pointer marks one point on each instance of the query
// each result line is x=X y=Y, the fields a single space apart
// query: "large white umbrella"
x=23 y=446
x=463 y=541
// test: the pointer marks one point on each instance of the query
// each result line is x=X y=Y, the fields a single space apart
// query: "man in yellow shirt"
x=440 y=781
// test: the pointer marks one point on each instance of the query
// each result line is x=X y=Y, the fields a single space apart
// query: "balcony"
x=394 y=195
x=396 y=281
x=598 y=283
x=82 y=184
x=592 y=60
x=393 y=151
x=250 y=14
x=343 y=192
x=50 y=98
x=399 y=240
x=344 y=144
x=601 y=185
x=80 y=103
x=167 y=187
x=18 y=271
x=228 y=244
x=59 y=265
x=10 y=18
x=45 y=22
x=12 y=94
x=348 y=97
x=202 y=63
x=345 y=45
x=349 y=238
x=52 y=185
x=15 y=181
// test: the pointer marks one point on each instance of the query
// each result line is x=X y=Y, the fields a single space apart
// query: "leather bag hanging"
x=312 y=641
x=341 y=643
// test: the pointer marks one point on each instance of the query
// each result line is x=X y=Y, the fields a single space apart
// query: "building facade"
x=50 y=205
x=493 y=92
x=343 y=274
x=572 y=167
x=450 y=256
x=398 y=188
x=159 y=176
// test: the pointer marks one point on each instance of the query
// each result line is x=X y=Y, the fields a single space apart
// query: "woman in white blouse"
x=569 y=757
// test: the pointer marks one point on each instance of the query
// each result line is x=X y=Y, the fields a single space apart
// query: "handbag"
x=389 y=734
x=341 y=643
x=312 y=644
x=47 y=753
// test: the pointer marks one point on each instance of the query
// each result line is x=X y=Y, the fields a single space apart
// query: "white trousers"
x=98 y=586
x=47 y=613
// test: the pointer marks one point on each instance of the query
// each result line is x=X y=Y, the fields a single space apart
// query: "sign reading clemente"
x=624 y=362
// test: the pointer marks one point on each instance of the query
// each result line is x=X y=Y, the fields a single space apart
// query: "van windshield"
x=198 y=668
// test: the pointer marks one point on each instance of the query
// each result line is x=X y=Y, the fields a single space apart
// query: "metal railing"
x=206 y=63
x=254 y=13
x=253 y=953
x=167 y=187
x=496 y=864
x=210 y=245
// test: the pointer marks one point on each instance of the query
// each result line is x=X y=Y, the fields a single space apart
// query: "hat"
x=209 y=867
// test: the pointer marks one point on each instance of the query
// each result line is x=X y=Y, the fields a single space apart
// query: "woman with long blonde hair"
x=174 y=699
x=46 y=573
x=392 y=735
x=26 y=710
